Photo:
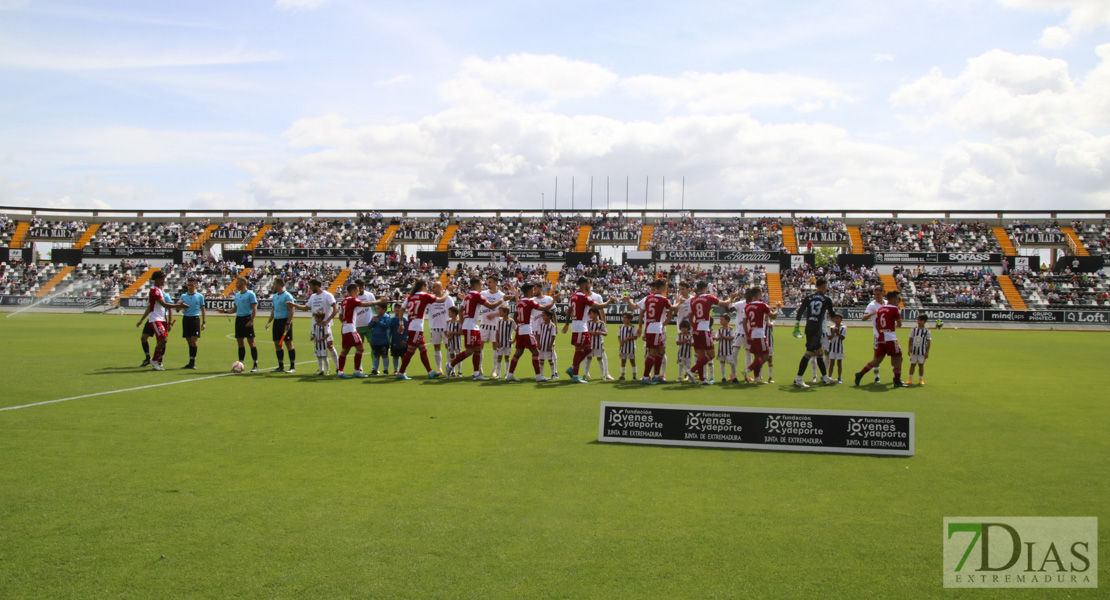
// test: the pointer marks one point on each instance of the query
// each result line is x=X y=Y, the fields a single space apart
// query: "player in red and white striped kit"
x=157 y=314
x=888 y=319
x=580 y=303
x=472 y=337
x=415 y=307
x=758 y=317
x=655 y=310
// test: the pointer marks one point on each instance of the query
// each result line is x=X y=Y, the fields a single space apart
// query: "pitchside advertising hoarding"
x=743 y=428
x=938 y=258
x=56 y=302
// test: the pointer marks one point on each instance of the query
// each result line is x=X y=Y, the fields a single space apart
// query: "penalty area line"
x=134 y=389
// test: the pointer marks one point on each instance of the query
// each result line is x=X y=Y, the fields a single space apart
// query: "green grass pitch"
x=295 y=486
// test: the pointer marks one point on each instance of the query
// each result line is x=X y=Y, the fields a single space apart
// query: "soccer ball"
x=236 y=367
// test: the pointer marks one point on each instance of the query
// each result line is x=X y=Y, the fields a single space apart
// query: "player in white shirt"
x=488 y=317
x=740 y=338
x=321 y=299
x=877 y=302
x=437 y=320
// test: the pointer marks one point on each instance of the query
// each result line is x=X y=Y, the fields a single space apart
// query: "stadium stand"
x=1095 y=236
x=322 y=233
x=687 y=233
x=505 y=233
x=963 y=289
x=938 y=236
x=847 y=287
x=1047 y=290
x=146 y=234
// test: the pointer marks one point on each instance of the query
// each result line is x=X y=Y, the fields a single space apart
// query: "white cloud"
x=555 y=77
x=1046 y=144
x=295 y=5
x=1054 y=38
x=736 y=91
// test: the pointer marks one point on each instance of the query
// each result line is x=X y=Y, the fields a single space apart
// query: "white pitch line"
x=134 y=389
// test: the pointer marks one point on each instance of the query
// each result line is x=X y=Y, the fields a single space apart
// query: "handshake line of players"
x=483 y=317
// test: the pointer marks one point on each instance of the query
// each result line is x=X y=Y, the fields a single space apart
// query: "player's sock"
x=699 y=365
x=866 y=368
x=803 y=365
x=292 y=357
x=661 y=364
x=536 y=365
x=342 y=362
x=424 y=359
x=146 y=349
x=242 y=353
x=439 y=359
x=192 y=354
x=576 y=362
x=623 y=370
x=334 y=356
x=358 y=360
x=604 y=360
x=513 y=361
x=395 y=361
x=554 y=363
x=824 y=369
x=756 y=366
x=770 y=371
x=476 y=360
x=589 y=363
x=159 y=352
x=374 y=361
x=281 y=358
x=461 y=356
x=897 y=374
x=406 y=359
x=747 y=360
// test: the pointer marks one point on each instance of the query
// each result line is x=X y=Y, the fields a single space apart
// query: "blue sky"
x=343 y=104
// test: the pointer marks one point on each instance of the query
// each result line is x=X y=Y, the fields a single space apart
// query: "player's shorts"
x=836 y=355
x=597 y=352
x=503 y=351
x=159 y=329
x=759 y=345
x=279 y=330
x=917 y=359
x=380 y=350
x=488 y=333
x=546 y=354
x=891 y=348
x=351 y=339
x=726 y=355
x=473 y=338
x=703 y=340
x=241 y=329
x=190 y=327
x=437 y=337
x=655 y=340
x=525 y=342
x=416 y=338
x=147 y=329
x=398 y=351
x=813 y=341
x=581 y=340
x=626 y=355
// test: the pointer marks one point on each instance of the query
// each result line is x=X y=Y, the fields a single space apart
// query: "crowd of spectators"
x=17 y=279
x=136 y=234
x=688 y=233
x=1095 y=236
x=1046 y=289
x=937 y=236
x=322 y=233
x=944 y=287
x=504 y=233
x=848 y=287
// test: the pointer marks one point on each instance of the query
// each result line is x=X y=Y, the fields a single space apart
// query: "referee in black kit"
x=815 y=307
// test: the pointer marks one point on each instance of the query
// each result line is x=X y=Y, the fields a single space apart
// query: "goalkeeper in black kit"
x=815 y=308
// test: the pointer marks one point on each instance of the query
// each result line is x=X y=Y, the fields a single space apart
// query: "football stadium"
x=329 y=299
x=259 y=472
